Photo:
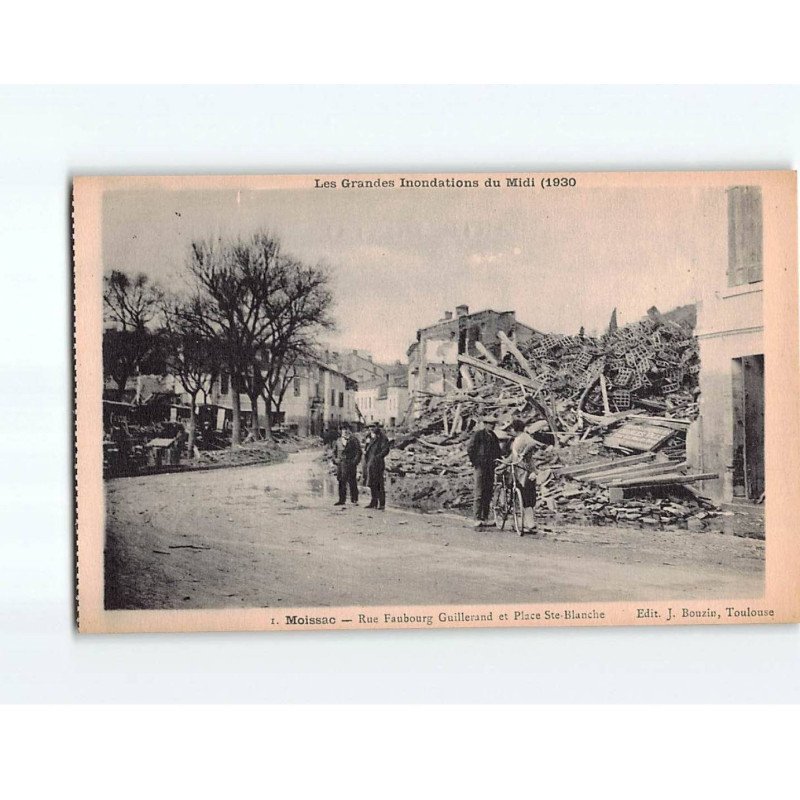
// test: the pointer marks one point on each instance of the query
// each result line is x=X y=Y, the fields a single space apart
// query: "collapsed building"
x=610 y=413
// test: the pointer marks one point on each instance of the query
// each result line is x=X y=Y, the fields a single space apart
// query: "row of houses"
x=318 y=398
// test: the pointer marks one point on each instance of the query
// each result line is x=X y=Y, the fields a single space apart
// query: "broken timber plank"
x=498 y=372
x=486 y=353
x=519 y=380
x=666 y=480
x=466 y=377
x=514 y=350
x=664 y=422
x=580 y=469
x=456 y=420
x=628 y=470
x=604 y=392
x=635 y=472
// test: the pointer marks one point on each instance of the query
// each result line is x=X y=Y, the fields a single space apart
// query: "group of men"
x=484 y=451
x=347 y=455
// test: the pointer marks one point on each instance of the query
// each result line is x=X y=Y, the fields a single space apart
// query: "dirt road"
x=269 y=536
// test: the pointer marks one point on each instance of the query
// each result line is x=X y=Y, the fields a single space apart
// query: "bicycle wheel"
x=517 y=511
x=500 y=506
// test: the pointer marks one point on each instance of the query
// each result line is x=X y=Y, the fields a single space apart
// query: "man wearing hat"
x=346 y=456
x=483 y=451
x=376 y=448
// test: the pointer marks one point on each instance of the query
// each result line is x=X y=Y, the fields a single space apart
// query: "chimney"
x=462 y=311
x=448 y=315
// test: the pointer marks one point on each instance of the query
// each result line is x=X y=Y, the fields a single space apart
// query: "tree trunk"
x=236 y=413
x=268 y=421
x=192 y=428
x=255 y=428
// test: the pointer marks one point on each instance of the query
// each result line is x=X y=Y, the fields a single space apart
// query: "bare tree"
x=295 y=311
x=265 y=309
x=291 y=370
x=193 y=353
x=131 y=307
x=130 y=303
x=225 y=302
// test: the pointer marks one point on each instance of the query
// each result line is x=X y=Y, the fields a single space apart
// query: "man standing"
x=346 y=456
x=375 y=452
x=483 y=451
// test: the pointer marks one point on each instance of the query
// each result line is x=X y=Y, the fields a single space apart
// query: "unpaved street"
x=267 y=536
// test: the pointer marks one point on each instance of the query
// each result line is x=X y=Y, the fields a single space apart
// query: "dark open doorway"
x=748 y=427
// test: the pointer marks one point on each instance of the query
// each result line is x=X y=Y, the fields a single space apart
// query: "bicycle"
x=507 y=498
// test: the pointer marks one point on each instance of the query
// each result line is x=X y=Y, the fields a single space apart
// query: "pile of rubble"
x=610 y=415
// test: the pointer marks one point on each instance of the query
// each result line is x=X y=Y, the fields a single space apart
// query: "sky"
x=399 y=258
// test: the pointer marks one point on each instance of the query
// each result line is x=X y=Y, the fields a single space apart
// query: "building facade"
x=385 y=402
x=318 y=398
x=433 y=358
x=358 y=365
x=728 y=436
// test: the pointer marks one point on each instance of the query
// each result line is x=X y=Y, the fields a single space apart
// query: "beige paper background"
x=782 y=426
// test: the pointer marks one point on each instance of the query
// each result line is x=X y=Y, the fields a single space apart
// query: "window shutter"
x=745 y=235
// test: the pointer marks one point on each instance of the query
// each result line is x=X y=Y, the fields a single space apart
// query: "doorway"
x=748 y=427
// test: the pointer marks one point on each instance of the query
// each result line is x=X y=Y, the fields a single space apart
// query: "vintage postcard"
x=437 y=400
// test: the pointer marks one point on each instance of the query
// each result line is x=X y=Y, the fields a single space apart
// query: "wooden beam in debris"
x=486 y=353
x=596 y=466
x=607 y=420
x=628 y=470
x=466 y=377
x=666 y=480
x=514 y=350
x=519 y=380
x=664 y=422
x=635 y=472
x=456 y=426
x=498 y=372
x=604 y=392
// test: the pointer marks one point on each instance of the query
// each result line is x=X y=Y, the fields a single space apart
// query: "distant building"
x=145 y=399
x=357 y=364
x=728 y=437
x=433 y=358
x=142 y=389
x=318 y=397
x=382 y=394
x=383 y=401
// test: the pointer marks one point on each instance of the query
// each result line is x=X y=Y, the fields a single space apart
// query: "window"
x=341 y=399
x=333 y=397
x=296 y=383
x=745 y=235
x=223 y=383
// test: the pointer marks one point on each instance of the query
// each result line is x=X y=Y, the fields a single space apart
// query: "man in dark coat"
x=375 y=451
x=346 y=456
x=483 y=451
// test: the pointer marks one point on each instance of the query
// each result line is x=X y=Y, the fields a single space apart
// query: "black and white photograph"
x=401 y=393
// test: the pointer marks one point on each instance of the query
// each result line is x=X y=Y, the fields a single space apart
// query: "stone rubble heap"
x=610 y=414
